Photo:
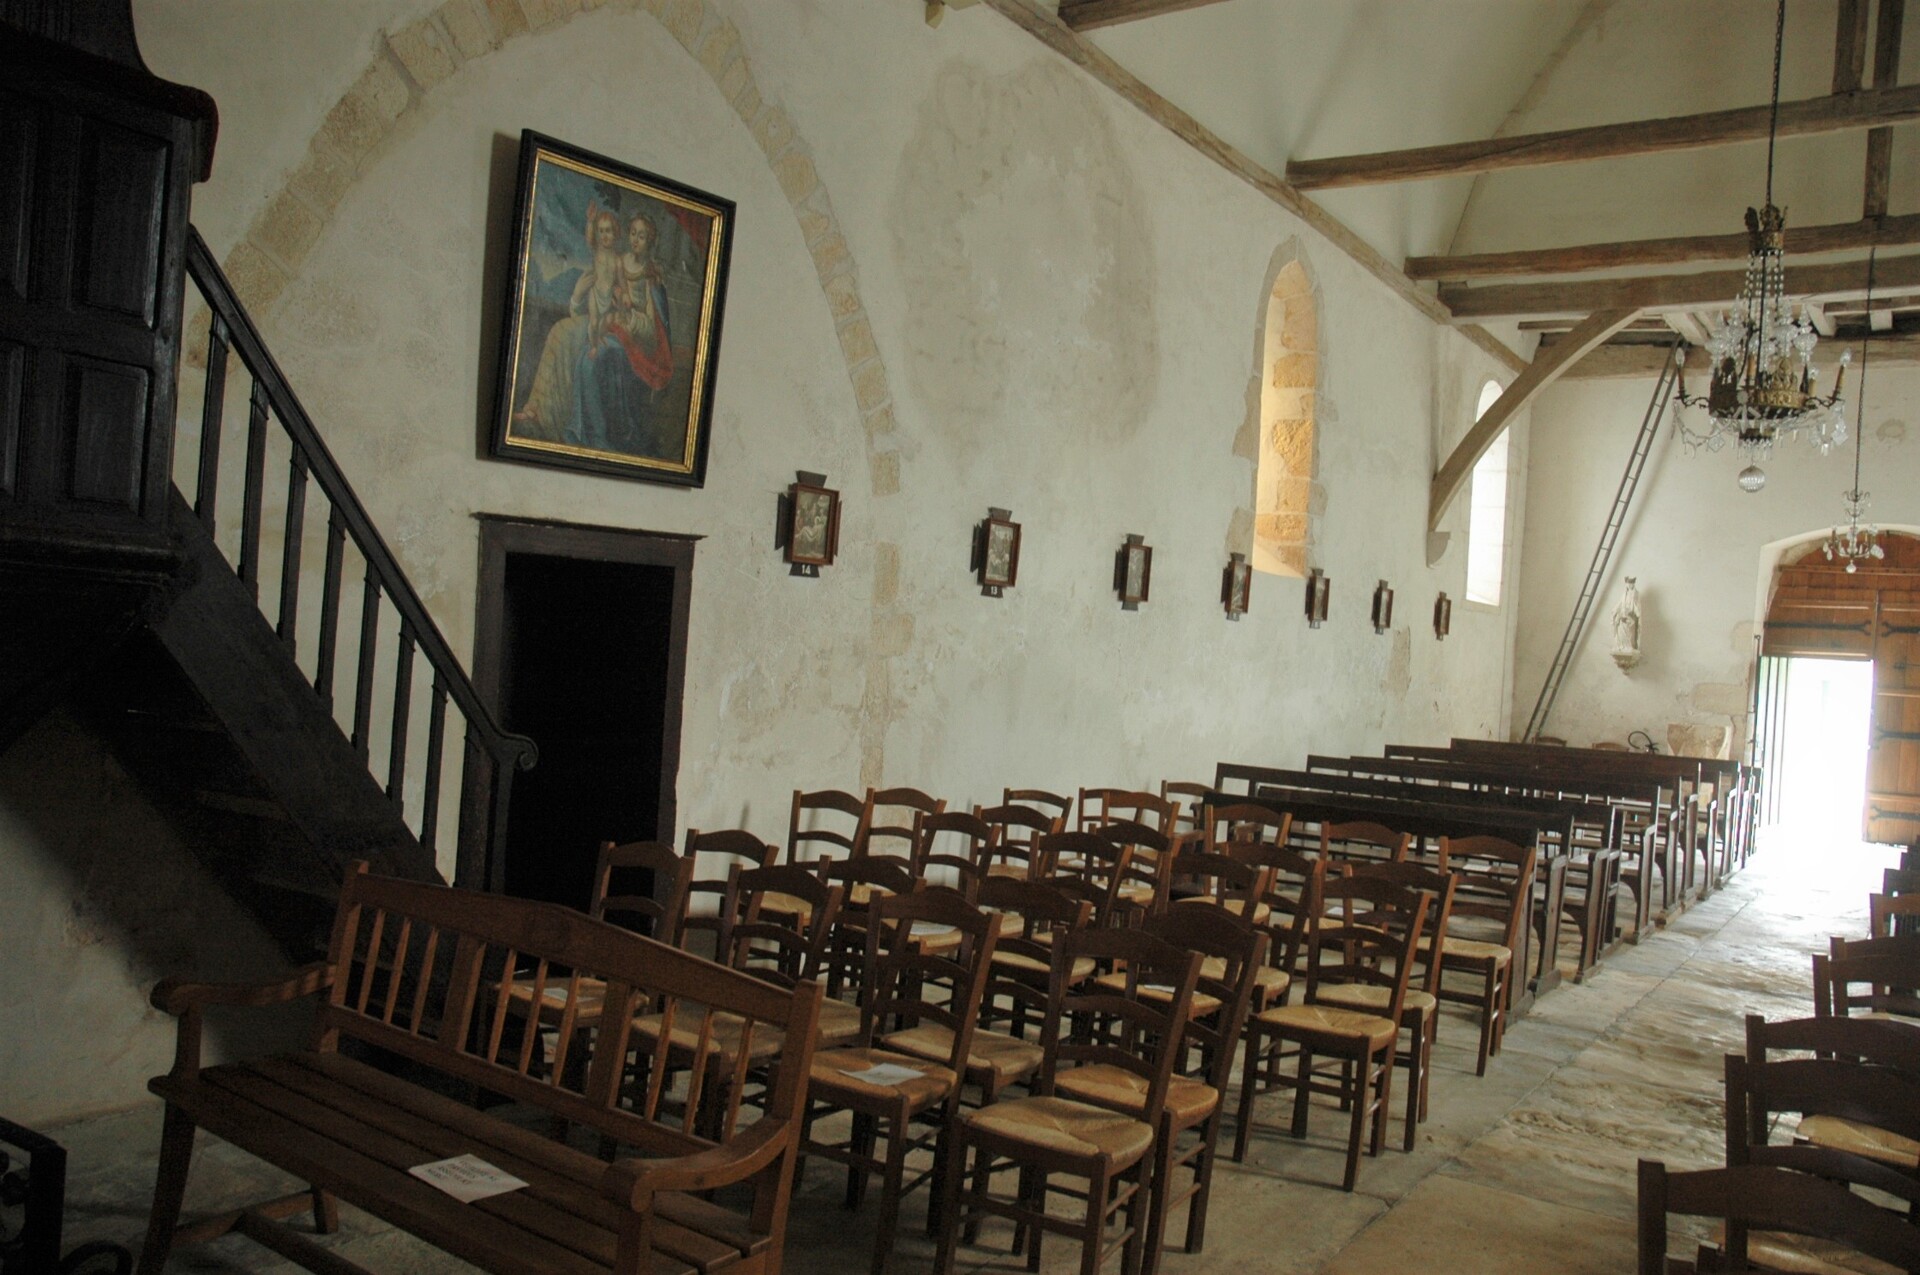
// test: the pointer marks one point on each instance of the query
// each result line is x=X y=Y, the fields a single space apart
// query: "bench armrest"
x=187 y=1001
x=634 y=1182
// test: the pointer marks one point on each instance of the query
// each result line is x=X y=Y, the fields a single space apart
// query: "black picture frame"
x=999 y=555
x=1133 y=572
x=1319 y=596
x=616 y=376
x=1442 y=617
x=812 y=525
x=1236 y=585
x=1382 y=607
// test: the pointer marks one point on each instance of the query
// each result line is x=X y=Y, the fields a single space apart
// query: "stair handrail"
x=506 y=748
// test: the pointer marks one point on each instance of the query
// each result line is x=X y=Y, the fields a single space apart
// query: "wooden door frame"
x=501 y=536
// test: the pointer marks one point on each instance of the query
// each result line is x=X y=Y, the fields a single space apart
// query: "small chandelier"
x=1761 y=350
x=1857 y=542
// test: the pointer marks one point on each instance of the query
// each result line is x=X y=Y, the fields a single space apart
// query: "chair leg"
x=861 y=1144
x=1157 y=1187
x=1303 y=1092
x=1418 y=1060
x=895 y=1173
x=1097 y=1187
x=1358 y=1131
x=1380 y=1104
x=1489 y=1007
x=1249 y=1078
x=1033 y=1188
x=169 y=1189
x=943 y=1248
x=1202 y=1185
x=326 y=1212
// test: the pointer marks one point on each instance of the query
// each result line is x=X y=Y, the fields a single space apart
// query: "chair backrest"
x=1363 y=839
x=1900 y=881
x=1868 y=976
x=892 y=817
x=1245 y=821
x=1240 y=947
x=911 y=981
x=1767 y=1198
x=881 y=874
x=1088 y=866
x=1496 y=881
x=1890 y=914
x=769 y=941
x=1294 y=882
x=1214 y=880
x=953 y=843
x=1050 y=803
x=1192 y=799
x=731 y=846
x=1367 y=931
x=1151 y=848
x=660 y=909
x=1138 y=1026
x=1015 y=830
x=1440 y=885
x=1046 y=911
x=1102 y=806
x=828 y=824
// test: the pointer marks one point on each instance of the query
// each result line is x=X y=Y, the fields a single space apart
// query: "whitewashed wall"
x=1701 y=549
x=1064 y=303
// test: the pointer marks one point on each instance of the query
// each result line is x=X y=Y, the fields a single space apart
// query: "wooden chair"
x=1191 y=798
x=1088 y=866
x=1150 y=850
x=863 y=879
x=1856 y=1091
x=1051 y=1134
x=754 y=939
x=1495 y=889
x=1022 y=974
x=1368 y=931
x=1197 y=878
x=1292 y=899
x=1360 y=839
x=1245 y=821
x=810 y=831
x=953 y=844
x=1587 y=900
x=1891 y=914
x=1060 y=807
x=1755 y=1197
x=1869 y=978
x=1102 y=806
x=1016 y=830
x=887 y=808
x=1420 y=1014
x=903 y=971
x=1232 y=952
x=732 y=847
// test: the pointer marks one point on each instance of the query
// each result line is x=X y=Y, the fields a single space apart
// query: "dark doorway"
x=582 y=647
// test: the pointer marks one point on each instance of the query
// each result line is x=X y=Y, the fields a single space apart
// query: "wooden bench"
x=422 y=975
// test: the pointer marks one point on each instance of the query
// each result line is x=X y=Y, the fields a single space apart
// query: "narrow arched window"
x=1487 y=517
x=1290 y=376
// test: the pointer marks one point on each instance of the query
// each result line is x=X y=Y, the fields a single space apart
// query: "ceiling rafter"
x=1702 y=289
x=1091 y=15
x=1865 y=109
x=1886 y=70
x=1646 y=252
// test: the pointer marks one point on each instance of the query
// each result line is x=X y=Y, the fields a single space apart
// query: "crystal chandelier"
x=1857 y=542
x=1761 y=350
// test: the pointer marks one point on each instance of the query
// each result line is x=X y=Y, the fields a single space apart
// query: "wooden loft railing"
x=231 y=331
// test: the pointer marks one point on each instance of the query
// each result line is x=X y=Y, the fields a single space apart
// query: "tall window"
x=1284 y=522
x=1487 y=518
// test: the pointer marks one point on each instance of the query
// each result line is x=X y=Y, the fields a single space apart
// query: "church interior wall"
x=965 y=276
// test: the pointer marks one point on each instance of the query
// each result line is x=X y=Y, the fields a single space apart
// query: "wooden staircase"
x=116 y=596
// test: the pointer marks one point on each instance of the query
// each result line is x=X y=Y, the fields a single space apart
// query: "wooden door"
x=1893 y=750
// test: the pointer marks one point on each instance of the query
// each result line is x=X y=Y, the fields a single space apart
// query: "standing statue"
x=1626 y=628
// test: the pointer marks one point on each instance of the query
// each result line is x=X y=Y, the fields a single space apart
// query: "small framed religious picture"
x=616 y=289
x=1382 y=607
x=810 y=522
x=996 y=553
x=1236 y=585
x=1319 y=588
x=1133 y=572
x=1442 y=617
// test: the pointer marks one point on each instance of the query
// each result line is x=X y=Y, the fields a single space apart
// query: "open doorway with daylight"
x=1837 y=693
x=580 y=644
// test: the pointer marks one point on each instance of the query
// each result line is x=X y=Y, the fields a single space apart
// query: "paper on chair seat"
x=885 y=1074
x=921 y=929
x=467 y=1178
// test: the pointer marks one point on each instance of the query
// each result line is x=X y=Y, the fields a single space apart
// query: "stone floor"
x=1527 y=1169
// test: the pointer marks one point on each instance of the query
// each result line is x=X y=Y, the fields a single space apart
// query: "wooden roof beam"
x=1886 y=70
x=1091 y=15
x=1649 y=252
x=1699 y=291
x=1547 y=367
x=1868 y=108
x=1850 y=46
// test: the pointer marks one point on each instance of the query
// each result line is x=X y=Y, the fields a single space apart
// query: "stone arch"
x=1288 y=500
x=409 y=63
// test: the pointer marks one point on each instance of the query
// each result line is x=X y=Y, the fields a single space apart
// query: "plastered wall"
x=965 y=275
x=1701 y=549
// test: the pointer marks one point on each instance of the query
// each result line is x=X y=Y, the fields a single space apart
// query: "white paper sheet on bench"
x=467 y=1178
x=885 y=1074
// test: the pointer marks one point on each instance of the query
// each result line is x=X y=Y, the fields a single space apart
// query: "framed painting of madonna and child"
x=612 y=328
